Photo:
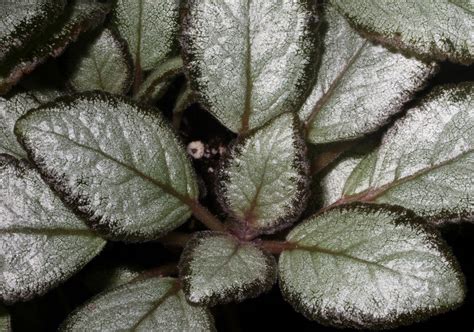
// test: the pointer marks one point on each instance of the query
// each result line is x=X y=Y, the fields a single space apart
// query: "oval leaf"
x=22 y=20
x=79 y=16
x=155 y=304
x=117 y=163
x=150 y=29
x=263 y=183
x=11 y=110
x=359 y=85
x=365 y=266
x=433 y=29
x=42 y=243
x=103 y=63
x=218 y=268
x=425 y=160
x=249 y=60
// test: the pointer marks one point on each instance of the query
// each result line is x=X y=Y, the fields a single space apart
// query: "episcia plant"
x=336 y=181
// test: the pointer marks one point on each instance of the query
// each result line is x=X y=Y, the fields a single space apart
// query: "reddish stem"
x=277 y=247
x=202 y=214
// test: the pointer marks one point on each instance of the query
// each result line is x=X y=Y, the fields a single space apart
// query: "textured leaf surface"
x=249 y=60
x=369 y=267
x=359 y=85
x=42 y=243
x=10 y=110
x=103 y=64
x=150 y=29
x=264 y=182
x=434 y=29
x=117 y=163
x=155 y=304
x=156 y=83
x=5 y=320
x=426 y=160
x=80 y=15
x=23 y=19
x=217 y=268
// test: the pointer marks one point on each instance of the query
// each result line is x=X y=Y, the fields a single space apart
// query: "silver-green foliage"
x=424 y=162
x=249 y=60
x=153 y=304
x=367 y=266
x=117 y=163
x=103 y=64
x=42 y=243
x=11 y=110
x=150 y=29
x=263 y=184
x=433 y=29
x=359 y=85
x=218 y=268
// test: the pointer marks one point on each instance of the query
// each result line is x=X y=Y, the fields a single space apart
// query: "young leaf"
x=103 y=63
x=156 y=83
x=217 y=268
x=264 y=182
x=10 y=110
x=23 y=20
x=425 y=160
x=359 y=85
x=117 y=163
x=5 y=320
x=249 y=60
x=154 y=304
x=80 y=15
x=433 y=29
x=150 y=29
x=41 y=241
x=368 y=266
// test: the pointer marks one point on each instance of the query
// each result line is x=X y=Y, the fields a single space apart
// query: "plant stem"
x=277 y=247
x=202 y=214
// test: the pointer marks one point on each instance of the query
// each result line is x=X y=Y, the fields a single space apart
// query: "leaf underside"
x=118 y=163
x=41 y=241
x=155 y=304
x=216 y=268
x=367 y=266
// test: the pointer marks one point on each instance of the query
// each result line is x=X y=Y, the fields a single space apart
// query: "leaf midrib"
x=372 y=193
x=334 y=85
x=171 y=292
x=248 y=74
x=324 y=251
x=167 y=189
